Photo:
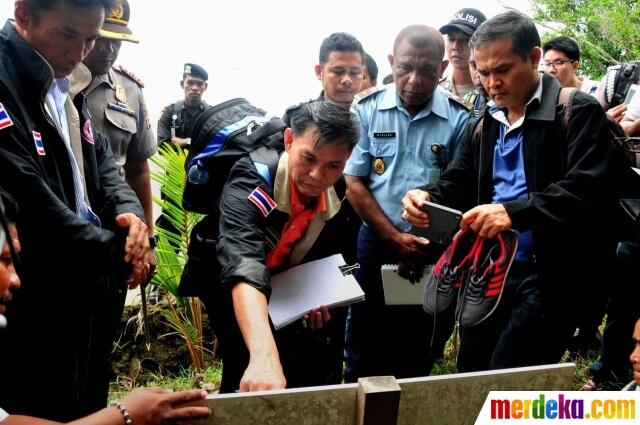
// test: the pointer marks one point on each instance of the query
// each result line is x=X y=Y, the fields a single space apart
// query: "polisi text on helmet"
x=464 y=17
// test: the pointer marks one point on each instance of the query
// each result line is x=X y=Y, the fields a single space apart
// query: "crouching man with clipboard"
x=268 y=224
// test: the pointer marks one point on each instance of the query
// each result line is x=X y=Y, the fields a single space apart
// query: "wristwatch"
x=153 y=240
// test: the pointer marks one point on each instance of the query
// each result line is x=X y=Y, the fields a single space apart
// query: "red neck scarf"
x=300 y=216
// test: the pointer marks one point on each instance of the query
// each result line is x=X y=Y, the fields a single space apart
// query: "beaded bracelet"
x=124 y=411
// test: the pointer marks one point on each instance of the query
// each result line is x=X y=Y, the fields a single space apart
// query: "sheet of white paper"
x=637 y=170
x=399 y=291
x=308 y=286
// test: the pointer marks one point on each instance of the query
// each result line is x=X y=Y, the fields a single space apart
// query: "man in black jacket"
x=267 y=225
x=150 y=406
x=82 y=231
x=176 y=122
x=523 y=170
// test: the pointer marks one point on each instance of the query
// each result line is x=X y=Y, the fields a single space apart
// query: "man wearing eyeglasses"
x=562 y=60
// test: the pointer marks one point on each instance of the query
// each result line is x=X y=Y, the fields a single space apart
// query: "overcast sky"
x=263 y=50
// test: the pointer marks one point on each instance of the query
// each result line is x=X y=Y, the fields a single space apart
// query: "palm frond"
x=183 y=315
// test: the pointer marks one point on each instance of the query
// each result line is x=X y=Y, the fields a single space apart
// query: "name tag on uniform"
x=384 y=134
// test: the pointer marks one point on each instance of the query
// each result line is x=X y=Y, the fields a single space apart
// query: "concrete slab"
x=446 y=399
x=332 y=404
x=457 y=399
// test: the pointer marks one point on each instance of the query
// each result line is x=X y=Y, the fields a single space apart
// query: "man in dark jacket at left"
x=82 y=232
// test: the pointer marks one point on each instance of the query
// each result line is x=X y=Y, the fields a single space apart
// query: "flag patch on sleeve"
x=5 y=119
x=262 y=200
x=37 y=139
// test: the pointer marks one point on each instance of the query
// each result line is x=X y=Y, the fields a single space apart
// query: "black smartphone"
x=445 y=222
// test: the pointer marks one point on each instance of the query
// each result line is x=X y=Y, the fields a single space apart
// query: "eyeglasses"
x=557 y=63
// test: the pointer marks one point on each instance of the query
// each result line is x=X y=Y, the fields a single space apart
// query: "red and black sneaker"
x=448 y=274
x=485 y=284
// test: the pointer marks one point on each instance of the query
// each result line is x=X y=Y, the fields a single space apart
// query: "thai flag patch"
x=37 y=139
x=262 y=200
x=5 y=119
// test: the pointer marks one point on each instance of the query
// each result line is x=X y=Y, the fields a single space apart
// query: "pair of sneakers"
x=470 y=274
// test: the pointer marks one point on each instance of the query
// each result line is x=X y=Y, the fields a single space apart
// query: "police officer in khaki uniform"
x=118 y=108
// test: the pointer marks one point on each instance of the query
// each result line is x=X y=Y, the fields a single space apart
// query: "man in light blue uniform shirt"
x=410 y=131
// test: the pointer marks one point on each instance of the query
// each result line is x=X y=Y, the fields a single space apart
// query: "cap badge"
x=117 y=12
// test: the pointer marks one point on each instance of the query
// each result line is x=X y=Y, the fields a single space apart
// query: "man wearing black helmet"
x=177 y=119
x=457 y=78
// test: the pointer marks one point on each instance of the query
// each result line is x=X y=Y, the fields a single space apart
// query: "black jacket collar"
x=546 y=110
x=29 y=65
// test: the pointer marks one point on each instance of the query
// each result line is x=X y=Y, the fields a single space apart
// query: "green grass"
x=448 y=364
x=187 y=379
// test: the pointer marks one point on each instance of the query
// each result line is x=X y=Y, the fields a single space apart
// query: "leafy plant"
x=607 y=31
x=183 y=314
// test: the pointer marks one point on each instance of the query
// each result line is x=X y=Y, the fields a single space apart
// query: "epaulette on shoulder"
x=453 y=99
x=359 y=97
x=296 y=106
x=457 y=100
x=131 y=75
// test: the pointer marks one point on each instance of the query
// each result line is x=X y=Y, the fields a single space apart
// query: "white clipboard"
x=296 y=291
x=399 y=291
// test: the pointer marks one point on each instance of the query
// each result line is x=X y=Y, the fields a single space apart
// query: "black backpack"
x=618 y=80
x=629 y=182
x=630 y=146
x=222 y=135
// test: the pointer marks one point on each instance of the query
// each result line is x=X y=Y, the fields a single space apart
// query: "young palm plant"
x=183 y=314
